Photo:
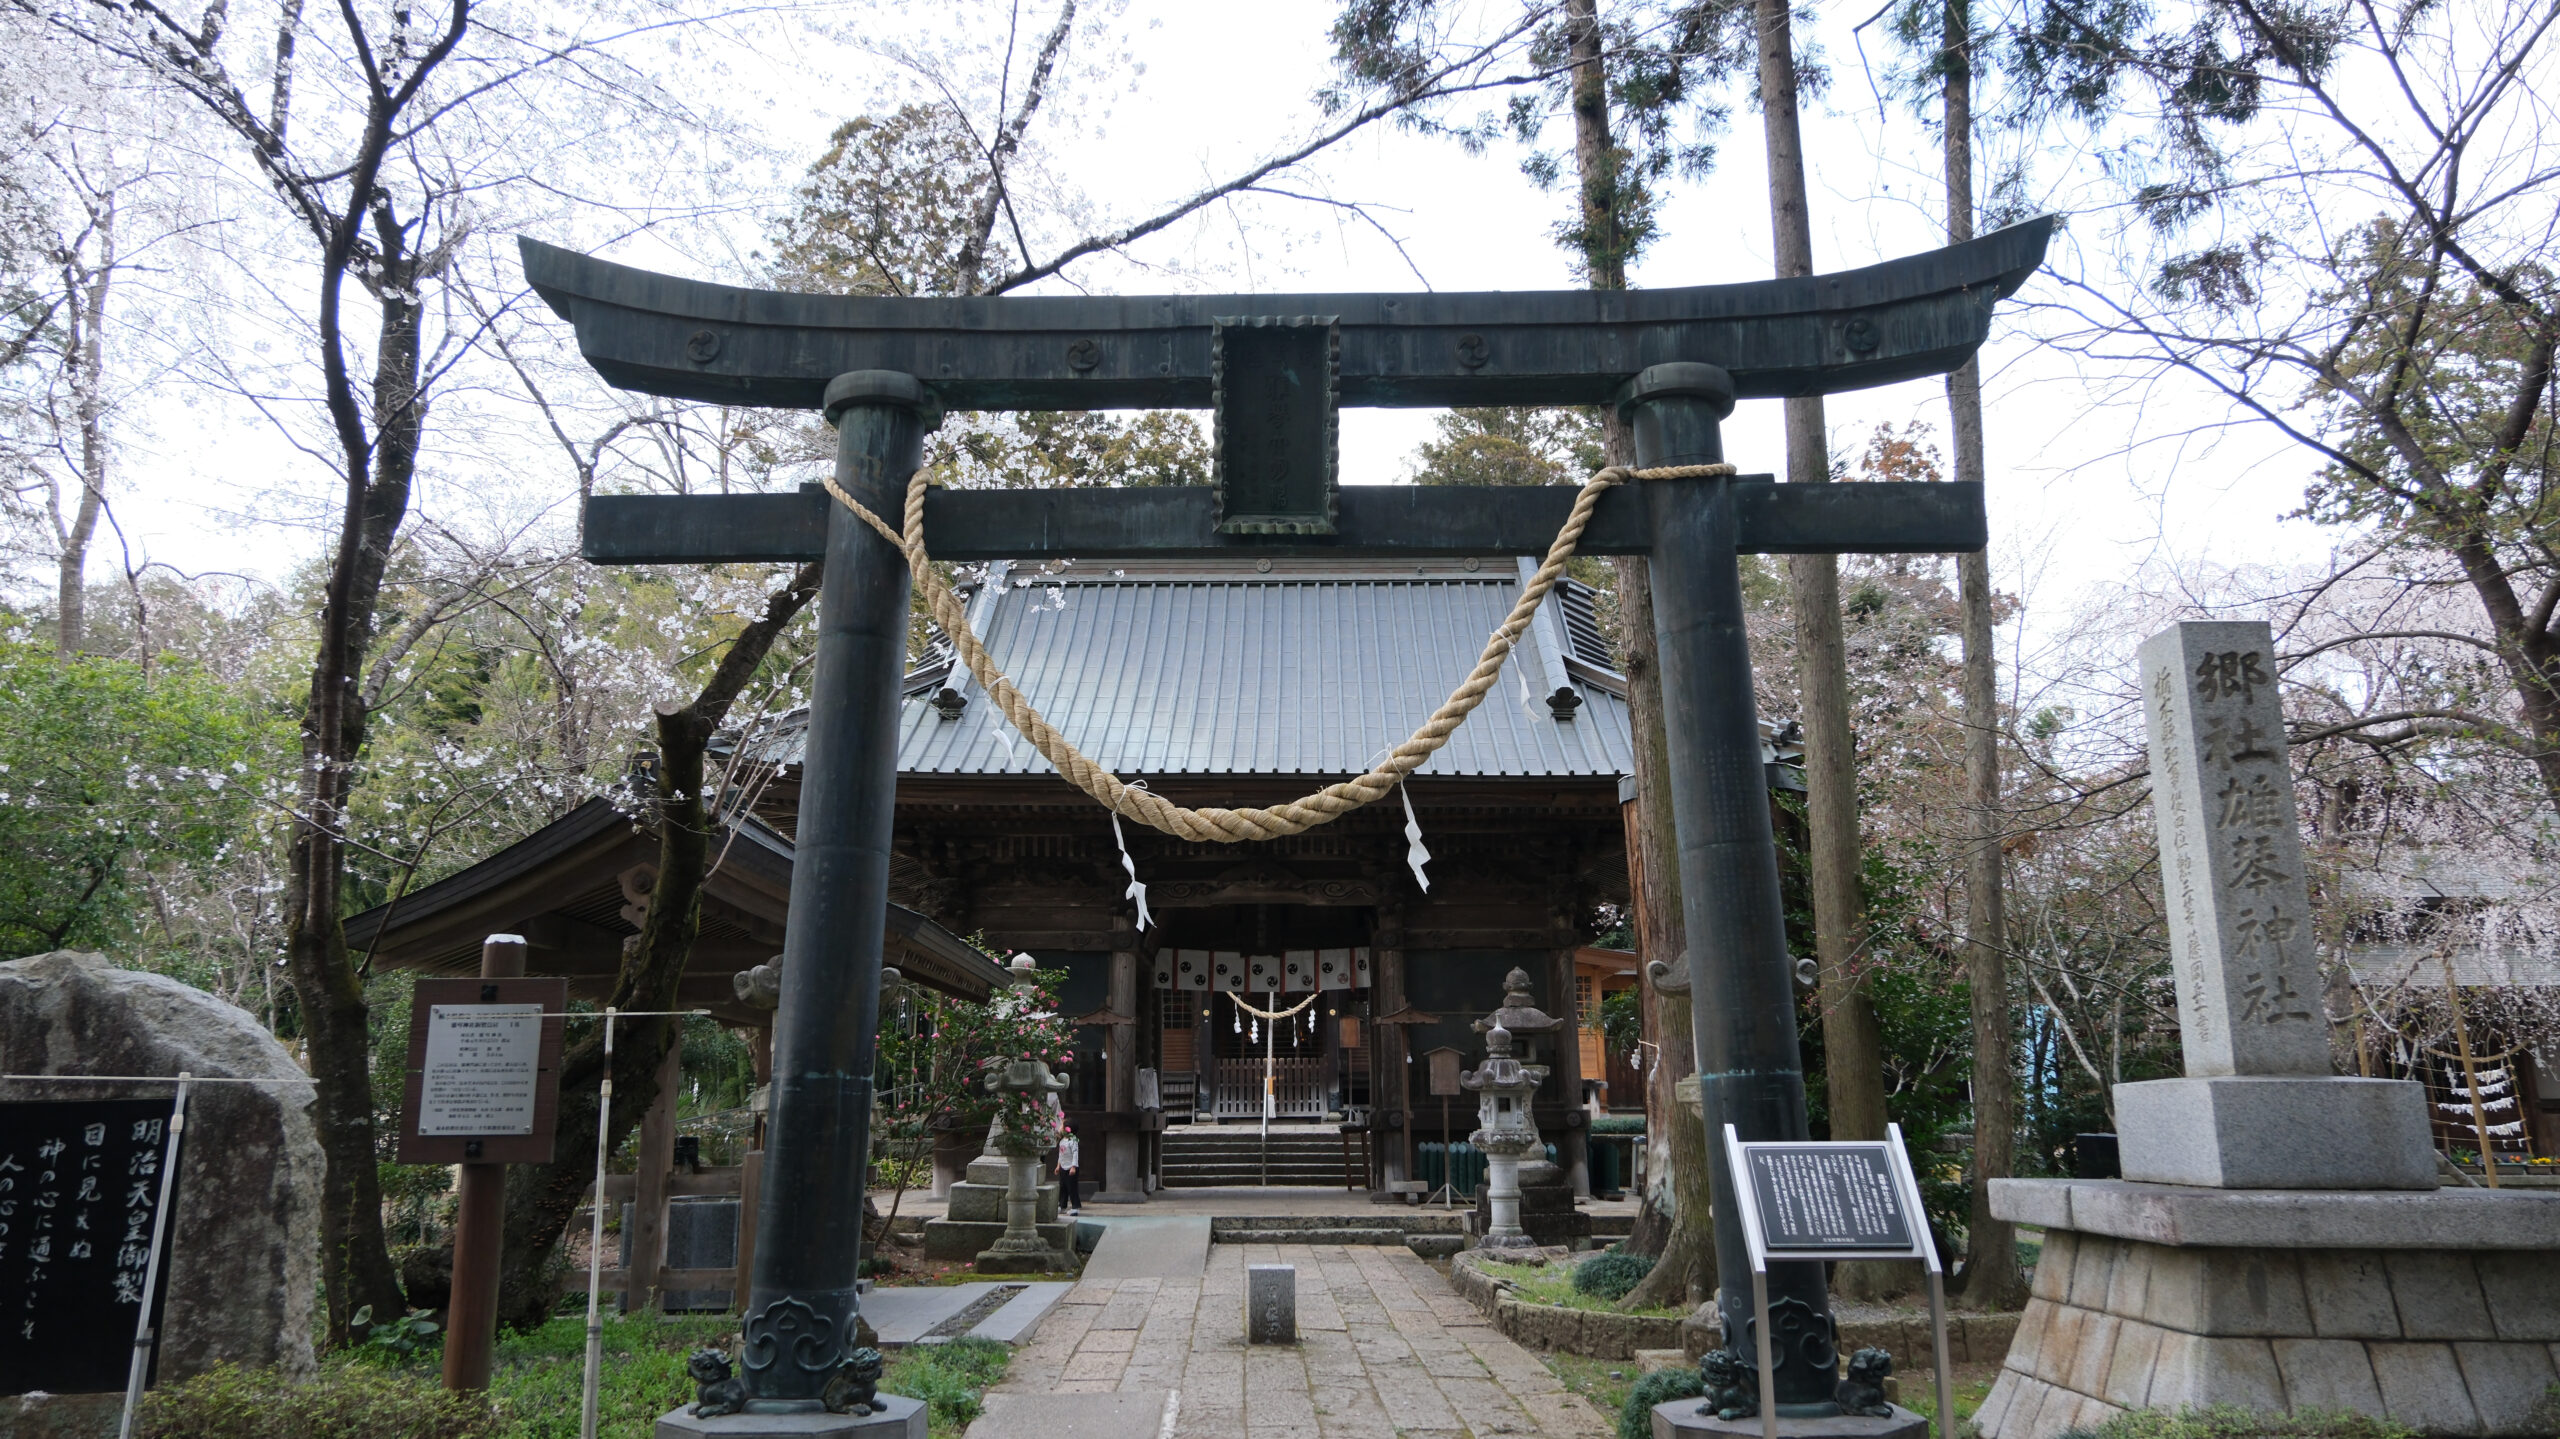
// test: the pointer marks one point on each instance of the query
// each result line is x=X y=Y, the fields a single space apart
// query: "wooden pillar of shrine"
x=1204 y=1061
x=751 y=1165
x=1390 y=1059
x=1573 y=1141
x=1123 y=1167
x=656 y=1161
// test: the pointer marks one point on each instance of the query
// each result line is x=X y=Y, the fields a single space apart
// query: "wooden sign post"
x=483 y=1092
x=1846 y=1199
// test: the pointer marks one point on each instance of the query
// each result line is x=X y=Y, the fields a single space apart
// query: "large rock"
x=246 y=1245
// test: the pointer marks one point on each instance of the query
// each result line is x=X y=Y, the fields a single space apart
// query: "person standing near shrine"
x=1070 y=1156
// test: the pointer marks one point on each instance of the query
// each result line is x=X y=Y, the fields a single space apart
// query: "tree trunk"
x=1675 y=1221
x=87 y=346
x=1852 y=1046
x=541 y=1198
x=355 y=1263
x=1990 y=1275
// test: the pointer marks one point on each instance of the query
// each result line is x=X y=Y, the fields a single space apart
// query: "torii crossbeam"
x=1275 y=368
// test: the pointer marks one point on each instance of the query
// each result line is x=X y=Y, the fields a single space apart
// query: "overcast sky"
x=2085 y=486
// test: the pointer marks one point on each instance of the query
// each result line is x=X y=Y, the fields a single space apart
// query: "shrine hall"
x=1217 y=682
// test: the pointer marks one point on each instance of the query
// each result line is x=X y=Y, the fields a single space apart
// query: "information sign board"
x=484 y=1071
x=1824 y=1197
x=1845 y=1199
x=79 y=1200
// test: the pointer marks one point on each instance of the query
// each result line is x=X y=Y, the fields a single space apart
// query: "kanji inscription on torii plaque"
x=2230 y=854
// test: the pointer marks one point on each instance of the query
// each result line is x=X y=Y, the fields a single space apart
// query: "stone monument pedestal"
x=975 y=1220
x=2258 y=1132
x=1123 y=1179
x=1547 y=1211
x=899 y=1418
x=1682 y=1419
x=2438 y=1309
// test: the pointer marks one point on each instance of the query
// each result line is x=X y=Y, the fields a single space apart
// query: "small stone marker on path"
x=1271 y=1304
x=2260 y=1107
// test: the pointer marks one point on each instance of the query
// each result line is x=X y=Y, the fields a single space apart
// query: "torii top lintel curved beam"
x=1918 y=315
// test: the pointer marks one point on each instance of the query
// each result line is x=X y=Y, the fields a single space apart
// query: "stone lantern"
x=1505 y=1136
x=1020 y=1249
x=1542 y=1198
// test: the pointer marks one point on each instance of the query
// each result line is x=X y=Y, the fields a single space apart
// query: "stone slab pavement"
x=1170 y=1246
x=1387 y=1350
x=905 y=1314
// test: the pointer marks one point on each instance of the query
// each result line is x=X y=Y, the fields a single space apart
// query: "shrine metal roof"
x=1311 y=667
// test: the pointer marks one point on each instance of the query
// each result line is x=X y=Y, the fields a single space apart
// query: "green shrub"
x=342 y=1402
x=2227 y=1423
x=952 y=1379
x=539 y=1400
x=1660 y=1386
x=1611 y=1275
x=398 y=1342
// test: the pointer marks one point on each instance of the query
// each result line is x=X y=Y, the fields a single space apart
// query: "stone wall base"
x=963 y=1239
x=2445 y=1340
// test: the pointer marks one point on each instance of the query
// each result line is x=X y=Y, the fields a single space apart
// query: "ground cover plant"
x=375 y=1392
x=1557 y=1284
x=2242 y=1424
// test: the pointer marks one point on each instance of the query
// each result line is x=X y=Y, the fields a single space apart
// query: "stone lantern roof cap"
x=1502 y=1069
x=1519 y=1012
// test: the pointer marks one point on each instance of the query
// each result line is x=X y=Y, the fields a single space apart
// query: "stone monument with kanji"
x=2277 y=1242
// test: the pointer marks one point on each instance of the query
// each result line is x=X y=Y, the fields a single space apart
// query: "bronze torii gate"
x=1274 y=368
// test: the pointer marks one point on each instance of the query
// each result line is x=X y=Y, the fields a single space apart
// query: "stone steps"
x=1388 y=1237
x=1387 y=1229
x=1207 y=1158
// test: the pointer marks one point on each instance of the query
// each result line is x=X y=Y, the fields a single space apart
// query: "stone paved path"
x=1386 y=1349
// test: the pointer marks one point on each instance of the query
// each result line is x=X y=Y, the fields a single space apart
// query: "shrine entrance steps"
x=1387 y=1227
x=1234 y=1156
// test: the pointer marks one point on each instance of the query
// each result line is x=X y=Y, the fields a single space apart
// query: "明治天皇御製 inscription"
x=79 y=1199
x=2231 y=856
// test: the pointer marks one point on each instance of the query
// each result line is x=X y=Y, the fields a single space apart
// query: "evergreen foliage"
x=1661 y=1386
x=1610 y=1274
x=122 y=785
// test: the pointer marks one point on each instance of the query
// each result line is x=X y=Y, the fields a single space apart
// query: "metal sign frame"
x=1915 y=1216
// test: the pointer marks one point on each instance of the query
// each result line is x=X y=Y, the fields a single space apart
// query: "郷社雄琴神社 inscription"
x=79 y=1196
x=2231 y=858
x=1827 y=1196
x=482 y=1070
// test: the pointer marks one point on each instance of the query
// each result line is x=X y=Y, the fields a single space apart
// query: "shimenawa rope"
x=1231 y=826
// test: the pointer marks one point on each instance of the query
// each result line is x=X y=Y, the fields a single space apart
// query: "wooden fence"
x=1298 y=1085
